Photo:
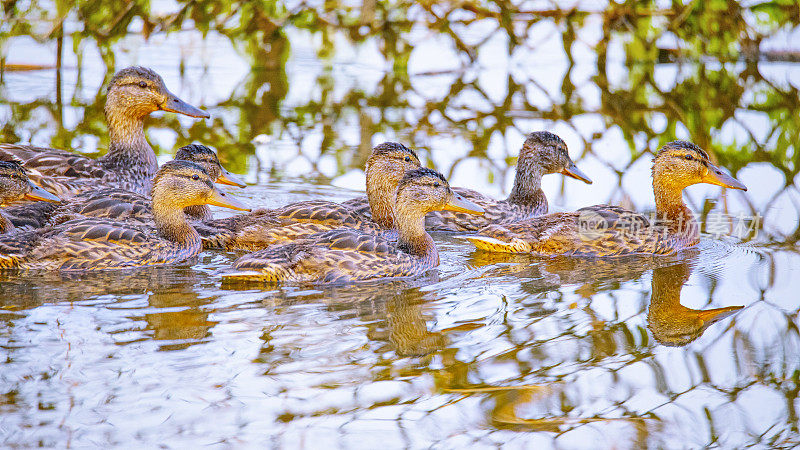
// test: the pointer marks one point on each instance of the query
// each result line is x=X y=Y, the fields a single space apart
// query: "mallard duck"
x=386 y=166
x=120 y=204
x=542 y=153
x=130 y=163
x=15 y=185
x=346 y=255
x=672 y=323
x=87 y=244
x=603 y=230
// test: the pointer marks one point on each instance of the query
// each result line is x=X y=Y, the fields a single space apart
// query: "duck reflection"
x=670 y=322
x=183 y=319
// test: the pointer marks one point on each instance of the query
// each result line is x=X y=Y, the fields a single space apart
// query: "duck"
x=348 y=255
x=542 y=153
x=671 y=323
x=92 y=244
x=15 y=185
x=121 y=204
x=609 y=231
x=130 y=163
x=386 y=166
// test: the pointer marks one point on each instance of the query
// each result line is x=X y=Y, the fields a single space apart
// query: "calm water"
x=491 y=350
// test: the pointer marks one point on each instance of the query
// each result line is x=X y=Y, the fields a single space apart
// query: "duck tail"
x=491 y=244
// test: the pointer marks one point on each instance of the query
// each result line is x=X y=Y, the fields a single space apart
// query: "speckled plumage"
x=347 y=255
x=86 y=244
x=542 y=153
x=264 y=227
x=116 y=203
x=130 y=162
x=607 y=231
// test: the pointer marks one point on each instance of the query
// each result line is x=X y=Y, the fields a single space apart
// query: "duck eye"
x=143 y=84
x=436 y=184
x=408 y=159
x=195 y=177
x=688 y=157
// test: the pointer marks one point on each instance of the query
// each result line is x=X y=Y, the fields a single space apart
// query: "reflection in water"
x=672 y=323
x=496 y=344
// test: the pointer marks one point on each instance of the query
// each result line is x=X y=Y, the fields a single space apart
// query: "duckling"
x=346 y=255
x=670 y=322
x=15 y=185
x=88 y=244
x=603 y=230
x=130 y=163
x=386 y=166
x=120 y=204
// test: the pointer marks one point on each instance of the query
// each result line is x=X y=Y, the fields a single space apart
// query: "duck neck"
x=527 y=190
x=412 y=237
x=128 y=149
x=172 y=225
x=670 y=206
x=380 y=195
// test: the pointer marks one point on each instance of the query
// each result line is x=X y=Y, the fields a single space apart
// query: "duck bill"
x=574 y=172
x=39 y=194
x=230 y=179
x=176 y=105
x=716 y=176
x=460 y=204
x=218 y=198
x=709 y=316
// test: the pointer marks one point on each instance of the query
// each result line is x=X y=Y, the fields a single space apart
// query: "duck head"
x=15 y=185
x=138 y=91
x=207 y=159
x=680 y=164
x=386 y=166
x=180 y=184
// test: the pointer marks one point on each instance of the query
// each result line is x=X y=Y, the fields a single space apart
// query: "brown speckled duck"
x=89 y=244
x=15 y=185
x=386 y=166
x=542 y=153
x=604 y=231
x=120 y=204
x=347 y=255
x=130 y=163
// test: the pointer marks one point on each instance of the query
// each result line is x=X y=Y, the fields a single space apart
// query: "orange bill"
x=709 y=316
x=716 y=176
x=218 y=198
x=176 y=105
x=230 y=179
x=40 y=194
x=460 y=204
x=574 y=172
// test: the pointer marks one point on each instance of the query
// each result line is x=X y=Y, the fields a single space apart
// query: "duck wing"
x=335 y=256
x=52 y=162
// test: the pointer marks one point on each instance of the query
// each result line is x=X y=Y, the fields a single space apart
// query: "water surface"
x=489 y=350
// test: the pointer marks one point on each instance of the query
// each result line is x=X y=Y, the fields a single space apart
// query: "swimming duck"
x=15 y=185
x=542 y=153
x=603 y=230
x=130 y=163
x=386 y=166
x=670 y=322
x=87 y=244
x=346 y=255
x=120 y=204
